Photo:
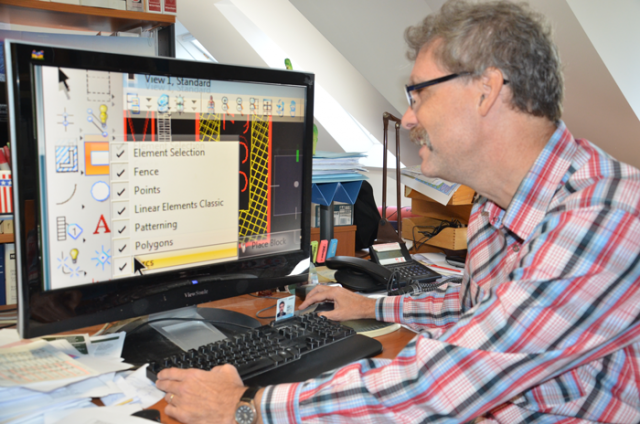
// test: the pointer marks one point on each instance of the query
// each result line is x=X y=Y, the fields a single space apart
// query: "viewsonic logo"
x=196 y=293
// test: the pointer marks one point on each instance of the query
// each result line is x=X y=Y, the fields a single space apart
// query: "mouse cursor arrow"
x=138 y=266
x=62 y=82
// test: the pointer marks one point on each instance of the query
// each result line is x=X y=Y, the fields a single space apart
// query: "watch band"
x=249 y=394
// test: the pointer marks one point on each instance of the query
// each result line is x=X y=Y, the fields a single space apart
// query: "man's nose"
x=409 y=119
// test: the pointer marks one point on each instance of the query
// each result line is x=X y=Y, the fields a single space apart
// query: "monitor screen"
x=148 y=184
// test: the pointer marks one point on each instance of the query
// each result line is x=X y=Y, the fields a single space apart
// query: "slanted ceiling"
x=367 y=35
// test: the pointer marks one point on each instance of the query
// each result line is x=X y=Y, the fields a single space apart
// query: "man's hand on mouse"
x=347 y=305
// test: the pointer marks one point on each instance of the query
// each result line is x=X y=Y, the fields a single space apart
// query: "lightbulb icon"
x=103 y=115
x=74 y=255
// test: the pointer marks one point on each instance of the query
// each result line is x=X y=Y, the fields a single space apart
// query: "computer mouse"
x=324 y=307
x=303 y=291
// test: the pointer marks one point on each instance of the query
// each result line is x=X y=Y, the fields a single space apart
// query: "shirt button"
x=516 y=248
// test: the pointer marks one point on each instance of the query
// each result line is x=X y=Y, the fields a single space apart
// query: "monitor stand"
x=178 y=331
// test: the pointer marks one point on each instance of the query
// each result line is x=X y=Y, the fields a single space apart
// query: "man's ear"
x=491 y=83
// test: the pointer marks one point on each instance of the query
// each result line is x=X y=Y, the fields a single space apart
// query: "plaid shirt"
x=543 y=328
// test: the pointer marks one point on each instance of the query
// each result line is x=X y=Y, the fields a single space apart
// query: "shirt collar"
x=531 y=201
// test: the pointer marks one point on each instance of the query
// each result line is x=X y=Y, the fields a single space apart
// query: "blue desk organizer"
x=326 y=193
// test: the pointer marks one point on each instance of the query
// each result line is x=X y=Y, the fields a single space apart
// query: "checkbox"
x=120 y=154
x=123 y=228
x=123 y=209
x=122 y=267
x=122 y=191
x=120 y=250
x=119 y=174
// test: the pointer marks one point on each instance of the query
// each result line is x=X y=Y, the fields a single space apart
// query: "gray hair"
x=501 y=34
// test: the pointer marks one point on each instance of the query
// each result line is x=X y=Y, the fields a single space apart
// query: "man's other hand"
x=347 y=305
x=194 y=396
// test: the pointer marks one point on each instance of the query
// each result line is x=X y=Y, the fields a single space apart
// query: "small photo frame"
x=285 y=307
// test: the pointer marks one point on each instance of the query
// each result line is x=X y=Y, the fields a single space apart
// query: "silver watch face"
x=245 y=414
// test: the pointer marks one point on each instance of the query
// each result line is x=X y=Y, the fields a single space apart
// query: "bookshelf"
x=79 y=18
x=44 y=14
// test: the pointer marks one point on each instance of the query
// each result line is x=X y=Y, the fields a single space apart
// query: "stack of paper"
x=331 y=167
x=435 y=188
x=44 y=381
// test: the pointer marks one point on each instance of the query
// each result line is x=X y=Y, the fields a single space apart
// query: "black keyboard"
x=291 y=350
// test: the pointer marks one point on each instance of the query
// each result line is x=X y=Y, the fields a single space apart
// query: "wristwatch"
x=246 y=410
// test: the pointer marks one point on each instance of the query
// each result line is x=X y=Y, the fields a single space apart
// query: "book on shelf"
x=3 y=293
x=10 y=282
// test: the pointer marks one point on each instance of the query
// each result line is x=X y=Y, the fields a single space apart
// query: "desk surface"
x=392 y=343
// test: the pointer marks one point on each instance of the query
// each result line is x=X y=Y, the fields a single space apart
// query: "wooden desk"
x=392 y=343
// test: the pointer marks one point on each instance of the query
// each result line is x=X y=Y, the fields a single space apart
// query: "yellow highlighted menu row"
x=155 y=261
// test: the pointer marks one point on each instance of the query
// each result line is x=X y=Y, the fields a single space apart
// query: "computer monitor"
x=147 y=184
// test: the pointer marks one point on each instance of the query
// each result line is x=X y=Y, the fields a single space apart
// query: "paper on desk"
x=137 y=385
x=55 y=416
x=104 y=415
x=79 y=341
x=99 y=365
x=327 y=275
x=64 y=346
x=36 y=362
x=22 y=401
x=34 y=415
x=437 y=262
x=95 y=390
x=8 y=337
x=93 y=415
x=109 y=345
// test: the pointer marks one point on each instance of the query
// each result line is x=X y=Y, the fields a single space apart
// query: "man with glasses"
x=545 y=325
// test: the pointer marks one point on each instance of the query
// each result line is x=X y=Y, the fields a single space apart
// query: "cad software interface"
x=145 y=173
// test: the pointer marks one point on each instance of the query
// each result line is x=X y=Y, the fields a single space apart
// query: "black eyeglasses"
x=411 y=88
x=421 y=85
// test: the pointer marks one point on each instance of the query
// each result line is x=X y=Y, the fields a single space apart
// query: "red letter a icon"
x=102 y=223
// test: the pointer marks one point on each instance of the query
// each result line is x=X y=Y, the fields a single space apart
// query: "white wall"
x=595 y=106
x=356 y=49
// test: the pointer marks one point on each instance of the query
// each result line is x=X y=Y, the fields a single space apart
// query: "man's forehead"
x=426 y=66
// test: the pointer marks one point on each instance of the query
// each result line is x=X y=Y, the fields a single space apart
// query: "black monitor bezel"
x=141 y=295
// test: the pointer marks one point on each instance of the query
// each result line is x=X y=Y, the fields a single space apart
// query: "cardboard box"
x=447 y=238
x=463 y=196
x=438 y=211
